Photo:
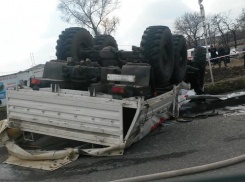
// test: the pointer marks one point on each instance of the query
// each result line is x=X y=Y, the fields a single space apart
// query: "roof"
x=39 y=66
x=34 y=67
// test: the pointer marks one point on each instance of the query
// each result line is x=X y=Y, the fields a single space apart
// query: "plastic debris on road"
x=233 y=95
x=183 y=95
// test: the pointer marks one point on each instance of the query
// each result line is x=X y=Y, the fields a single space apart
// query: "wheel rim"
x=83 y=45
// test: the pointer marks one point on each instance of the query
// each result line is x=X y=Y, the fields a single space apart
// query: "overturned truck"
x=98 y=98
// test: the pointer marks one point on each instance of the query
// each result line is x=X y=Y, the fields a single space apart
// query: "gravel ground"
x=167 y=148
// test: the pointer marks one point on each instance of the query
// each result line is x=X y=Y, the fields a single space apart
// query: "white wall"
x=11 y=81
x=8 y=82
x=37 y=73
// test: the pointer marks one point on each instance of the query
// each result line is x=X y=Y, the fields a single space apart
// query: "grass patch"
x=3 y=108
x=225 y=86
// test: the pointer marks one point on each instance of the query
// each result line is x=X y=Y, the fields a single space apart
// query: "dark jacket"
x=221 y=51
x=213 y=52
x=227 y=50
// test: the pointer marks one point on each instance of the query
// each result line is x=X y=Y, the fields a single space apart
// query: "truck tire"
x=157 y=47
x=71 y=40
x=199 y=61
x=102 y=41
x=180 y=59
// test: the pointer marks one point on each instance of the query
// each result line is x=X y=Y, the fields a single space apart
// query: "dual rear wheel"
x=167 y=54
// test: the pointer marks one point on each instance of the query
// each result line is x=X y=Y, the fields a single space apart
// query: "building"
x=10 y=82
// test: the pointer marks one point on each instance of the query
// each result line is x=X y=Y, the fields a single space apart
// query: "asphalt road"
x=167 y=148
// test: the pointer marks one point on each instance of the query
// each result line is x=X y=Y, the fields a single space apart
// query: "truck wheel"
x=157 y=47
x=199 y=61
x=180 y=59
x=102 y=41
x=71 y=40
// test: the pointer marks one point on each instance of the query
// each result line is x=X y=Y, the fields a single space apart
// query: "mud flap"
x=49 y=165
x=39 y=160
x=48 y=160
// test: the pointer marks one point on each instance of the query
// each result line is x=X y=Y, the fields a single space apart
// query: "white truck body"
x=75 y=115
x=69 y=114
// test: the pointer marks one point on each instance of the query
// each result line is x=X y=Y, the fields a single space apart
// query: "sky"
x=33 y=26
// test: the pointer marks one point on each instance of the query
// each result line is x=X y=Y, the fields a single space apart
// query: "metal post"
x=205 y=34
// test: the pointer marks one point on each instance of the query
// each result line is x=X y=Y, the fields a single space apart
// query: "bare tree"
x=93 y=14
x=189 y=25
x=217 y=21
x=211 y=29
x=213 y=33
x=232 y=27
x=241 y=19
x=110 y=25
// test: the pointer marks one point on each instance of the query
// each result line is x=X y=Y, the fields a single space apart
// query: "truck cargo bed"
x=74 y=115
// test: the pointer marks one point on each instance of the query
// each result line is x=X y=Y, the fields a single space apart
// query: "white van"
x=190 y=53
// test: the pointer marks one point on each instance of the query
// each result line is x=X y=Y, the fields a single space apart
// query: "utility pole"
x=202 y=11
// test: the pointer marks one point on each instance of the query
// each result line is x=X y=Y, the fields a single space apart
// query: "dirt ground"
x=235 y=69
x=227 y=79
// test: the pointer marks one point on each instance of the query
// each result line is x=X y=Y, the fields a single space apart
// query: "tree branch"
x=67 y=7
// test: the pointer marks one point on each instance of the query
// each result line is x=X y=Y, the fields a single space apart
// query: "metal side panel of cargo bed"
x=74 y=115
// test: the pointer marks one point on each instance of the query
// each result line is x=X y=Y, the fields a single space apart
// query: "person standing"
x=227 y=52
x=243 y=49
x=213 y=51
x=221 y=52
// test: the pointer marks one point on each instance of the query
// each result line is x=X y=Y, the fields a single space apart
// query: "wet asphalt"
x=178 y=146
